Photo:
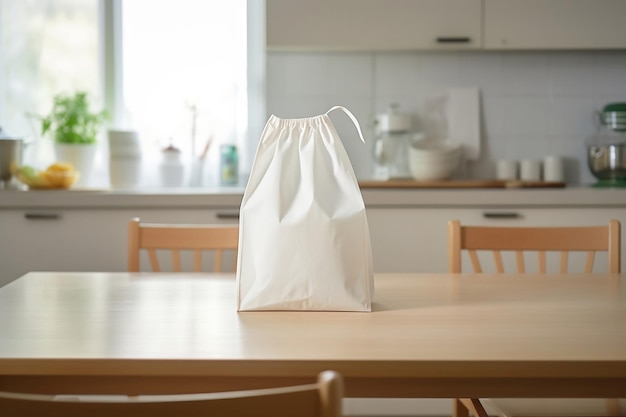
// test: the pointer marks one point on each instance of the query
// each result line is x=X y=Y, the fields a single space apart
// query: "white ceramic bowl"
x=428 y=147
x=434 y=160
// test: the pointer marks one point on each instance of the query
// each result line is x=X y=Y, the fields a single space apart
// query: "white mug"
x=553 y=169
x=530 y=170
x=124 y=172
x=506 y=169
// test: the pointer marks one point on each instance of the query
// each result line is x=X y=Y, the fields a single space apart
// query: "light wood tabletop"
x=429 y=335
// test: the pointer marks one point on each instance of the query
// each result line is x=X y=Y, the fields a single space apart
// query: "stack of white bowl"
x=124 y=158
x=434 y=159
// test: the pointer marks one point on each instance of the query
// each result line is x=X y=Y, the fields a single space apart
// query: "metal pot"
x=607 y=162
x=11 y=149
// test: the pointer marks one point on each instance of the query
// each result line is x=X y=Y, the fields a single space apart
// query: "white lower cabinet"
x=411 y=239
x=81 y=240
x=415 y=239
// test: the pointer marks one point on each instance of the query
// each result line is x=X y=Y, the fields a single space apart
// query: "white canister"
x=553 y=169
x=124 y=144
x=124 y=172
x=171 y=169
x=506 y=169
x=530 y=170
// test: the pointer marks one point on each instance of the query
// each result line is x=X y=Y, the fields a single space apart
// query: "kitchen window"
x=177 y=71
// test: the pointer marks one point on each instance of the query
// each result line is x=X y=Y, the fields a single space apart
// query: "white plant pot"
x=81 y=156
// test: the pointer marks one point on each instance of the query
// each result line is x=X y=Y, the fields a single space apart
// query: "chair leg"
x=458 y=409
x=474 y=407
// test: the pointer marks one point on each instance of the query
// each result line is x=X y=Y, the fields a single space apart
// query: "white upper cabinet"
x=374 y=25
x=388 y=25
x=555 y=24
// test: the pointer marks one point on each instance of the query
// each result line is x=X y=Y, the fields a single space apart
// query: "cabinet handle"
x=42 y=216
x=227 y=215
x=461 y=39
x=501 y=215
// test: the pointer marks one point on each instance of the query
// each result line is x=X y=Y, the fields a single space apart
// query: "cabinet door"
x=373 y=24
x=554 y=24
x=415 y=239
x=82 y=240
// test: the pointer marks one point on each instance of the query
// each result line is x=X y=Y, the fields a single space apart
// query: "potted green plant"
x=74 y=128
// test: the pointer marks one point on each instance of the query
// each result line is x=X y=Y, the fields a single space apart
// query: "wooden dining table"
x=428 y=335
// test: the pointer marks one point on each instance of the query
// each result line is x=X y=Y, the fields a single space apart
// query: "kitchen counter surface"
x=374 y=197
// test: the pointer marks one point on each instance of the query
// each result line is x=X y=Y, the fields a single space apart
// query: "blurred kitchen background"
x=191 y=70
x=532 y=103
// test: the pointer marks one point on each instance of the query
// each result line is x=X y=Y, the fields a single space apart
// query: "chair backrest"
x=590 y=239
x=320 y=399
x=180 y=237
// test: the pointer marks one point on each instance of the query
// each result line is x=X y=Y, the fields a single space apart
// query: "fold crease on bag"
x=304 y=239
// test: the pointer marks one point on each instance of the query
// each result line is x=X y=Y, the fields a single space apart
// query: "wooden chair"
x=320 y=399
x=564 y=240
x=177 y=238
x=590 y=239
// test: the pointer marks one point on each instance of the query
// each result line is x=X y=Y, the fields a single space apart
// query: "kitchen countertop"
x=374 y=197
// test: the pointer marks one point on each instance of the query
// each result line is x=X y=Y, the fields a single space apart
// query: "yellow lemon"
x=60 y=167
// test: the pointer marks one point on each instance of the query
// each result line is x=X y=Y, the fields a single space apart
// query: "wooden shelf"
x=460 y=184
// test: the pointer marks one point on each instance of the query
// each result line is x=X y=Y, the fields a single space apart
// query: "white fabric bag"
x=304 y=240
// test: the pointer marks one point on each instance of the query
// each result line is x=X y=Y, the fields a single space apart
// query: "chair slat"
x=474 y=406
x=217 y=262
x=154 y=262
x=197 y=260
x=564 y=259
x=176 y=260
x=590 y=260
x=519 y=259
x=542 y=261
x=497 y=258
x=475 y=262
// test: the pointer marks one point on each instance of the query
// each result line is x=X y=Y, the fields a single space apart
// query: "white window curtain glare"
x=46 y=47
x=174 y=70
x=184 y=67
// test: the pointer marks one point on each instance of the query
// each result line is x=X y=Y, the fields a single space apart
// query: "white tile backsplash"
x=533 y=103
x=571 y=117
x=610 y=75
x=483 y=70
x=396 y=74
x=526 y=74
x=571 y=74
x=526 y=116
x=351 y=75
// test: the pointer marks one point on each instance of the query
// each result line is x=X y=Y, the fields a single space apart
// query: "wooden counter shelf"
x=400 y=183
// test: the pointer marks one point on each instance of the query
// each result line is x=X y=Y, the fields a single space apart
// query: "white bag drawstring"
x=351 y=116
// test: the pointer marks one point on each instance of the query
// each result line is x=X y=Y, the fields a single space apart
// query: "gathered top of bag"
x=315 y=121
x=310 y=121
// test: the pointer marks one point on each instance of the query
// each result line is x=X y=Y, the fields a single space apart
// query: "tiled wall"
x=532 y=103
